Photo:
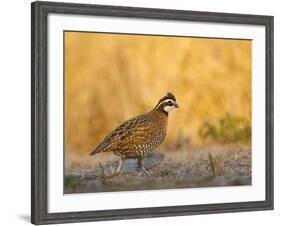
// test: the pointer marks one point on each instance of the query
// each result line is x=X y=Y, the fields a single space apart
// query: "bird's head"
x=167 y=103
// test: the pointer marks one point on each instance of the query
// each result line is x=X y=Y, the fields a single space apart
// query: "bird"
x=140 y=135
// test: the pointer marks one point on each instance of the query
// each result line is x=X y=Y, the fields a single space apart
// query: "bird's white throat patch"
x=168 y=108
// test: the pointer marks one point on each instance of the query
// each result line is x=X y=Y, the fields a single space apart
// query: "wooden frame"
x=39 y=12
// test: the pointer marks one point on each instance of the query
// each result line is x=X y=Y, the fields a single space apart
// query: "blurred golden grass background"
x=110 y=78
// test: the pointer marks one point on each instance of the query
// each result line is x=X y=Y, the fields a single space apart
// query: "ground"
x=205 y=166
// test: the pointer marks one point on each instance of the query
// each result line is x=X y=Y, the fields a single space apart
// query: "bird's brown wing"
x=128 y=132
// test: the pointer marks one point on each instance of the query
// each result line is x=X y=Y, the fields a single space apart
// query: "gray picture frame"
x=39 y=109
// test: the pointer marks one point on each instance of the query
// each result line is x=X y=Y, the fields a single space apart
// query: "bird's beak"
x=176 y=105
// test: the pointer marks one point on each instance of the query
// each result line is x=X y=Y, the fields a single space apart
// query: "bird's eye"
x=170 y=102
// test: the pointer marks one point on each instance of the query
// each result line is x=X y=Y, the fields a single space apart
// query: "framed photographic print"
x=140 y=112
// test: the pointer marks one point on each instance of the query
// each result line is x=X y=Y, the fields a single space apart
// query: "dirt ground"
x=206 y=166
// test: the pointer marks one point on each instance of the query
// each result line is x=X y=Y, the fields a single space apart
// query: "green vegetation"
x=229 y=129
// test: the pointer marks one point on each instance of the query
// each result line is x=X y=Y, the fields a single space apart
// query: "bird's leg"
x=143 y=170
x=120 y=166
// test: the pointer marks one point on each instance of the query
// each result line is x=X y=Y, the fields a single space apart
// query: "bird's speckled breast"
x=154 y=136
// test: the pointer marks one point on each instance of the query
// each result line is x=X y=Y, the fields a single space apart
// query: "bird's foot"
x=104 y=175
x=144 y=172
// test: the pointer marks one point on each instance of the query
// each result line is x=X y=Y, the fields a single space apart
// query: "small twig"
x=212 y=164
x=101 y=167
x=217 y=164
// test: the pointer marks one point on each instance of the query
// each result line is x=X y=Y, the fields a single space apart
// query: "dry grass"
x=110 y=78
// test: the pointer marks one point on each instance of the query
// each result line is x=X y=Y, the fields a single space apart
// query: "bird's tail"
x=104 y=146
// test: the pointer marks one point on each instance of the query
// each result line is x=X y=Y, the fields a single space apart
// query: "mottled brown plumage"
x=139 y=136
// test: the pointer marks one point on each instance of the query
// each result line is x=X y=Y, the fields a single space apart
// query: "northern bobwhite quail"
x=139 y=136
